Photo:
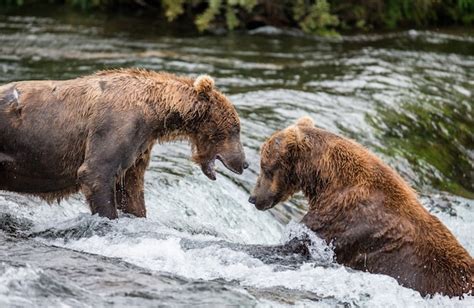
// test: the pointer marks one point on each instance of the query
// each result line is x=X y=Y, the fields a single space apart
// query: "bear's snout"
x=262 y=203
x=235 y=162
x=252 y=199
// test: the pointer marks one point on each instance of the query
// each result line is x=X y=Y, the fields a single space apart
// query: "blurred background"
x=396 y=76
x=324 y=17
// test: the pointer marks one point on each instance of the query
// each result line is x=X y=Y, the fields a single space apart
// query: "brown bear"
x=364 y=208
x=95 y=133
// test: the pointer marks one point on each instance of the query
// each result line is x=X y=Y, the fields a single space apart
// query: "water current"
x=407 y=96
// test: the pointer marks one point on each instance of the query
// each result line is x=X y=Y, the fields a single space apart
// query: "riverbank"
x=321 y=17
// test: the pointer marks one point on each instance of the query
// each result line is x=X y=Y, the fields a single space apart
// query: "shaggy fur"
x=364 y=208
x=94 y=134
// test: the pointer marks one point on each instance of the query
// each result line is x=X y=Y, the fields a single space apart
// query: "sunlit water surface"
x=407 y=96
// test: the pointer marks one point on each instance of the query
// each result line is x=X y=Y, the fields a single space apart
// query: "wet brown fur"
x=364 y=208
x=95 y=133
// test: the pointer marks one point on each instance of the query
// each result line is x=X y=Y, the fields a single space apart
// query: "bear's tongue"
x=209 y=169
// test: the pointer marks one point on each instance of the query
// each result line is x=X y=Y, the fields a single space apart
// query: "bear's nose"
x=246 y=165
x=252 y=199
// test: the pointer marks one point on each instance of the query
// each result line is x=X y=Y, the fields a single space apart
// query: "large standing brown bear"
x=364 y=208
x=94 y=134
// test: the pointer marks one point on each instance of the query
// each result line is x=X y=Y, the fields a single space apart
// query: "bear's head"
x=281 y=156
x=218 y=132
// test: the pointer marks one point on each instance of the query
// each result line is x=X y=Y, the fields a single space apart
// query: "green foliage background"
x=324 y=17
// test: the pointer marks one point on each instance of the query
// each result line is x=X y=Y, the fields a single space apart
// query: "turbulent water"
x=407 y=96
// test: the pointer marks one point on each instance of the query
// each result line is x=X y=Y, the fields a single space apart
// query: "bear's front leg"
x=130 y=190
x=110 y=150
x=99 y=190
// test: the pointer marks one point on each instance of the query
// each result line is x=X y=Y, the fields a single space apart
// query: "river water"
x=408 y=96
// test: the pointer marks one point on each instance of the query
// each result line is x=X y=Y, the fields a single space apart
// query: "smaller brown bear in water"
x=95 y=133
x=364 y=208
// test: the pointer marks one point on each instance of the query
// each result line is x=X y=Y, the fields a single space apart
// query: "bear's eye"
x=267 y=172
x=235 y=130
x=217 y=136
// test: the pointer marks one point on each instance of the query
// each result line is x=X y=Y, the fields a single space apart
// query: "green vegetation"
x=324 y=17
x=423 y=134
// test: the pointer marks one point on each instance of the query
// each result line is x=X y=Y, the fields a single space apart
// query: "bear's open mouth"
x=223 y=161
x=209 y=169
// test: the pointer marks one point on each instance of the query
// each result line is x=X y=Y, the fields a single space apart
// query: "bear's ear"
x=296 y=139
x=305 y=121
x=203 y=84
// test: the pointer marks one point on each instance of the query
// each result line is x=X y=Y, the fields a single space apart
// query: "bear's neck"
x=311 y=182
x=173 y=121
